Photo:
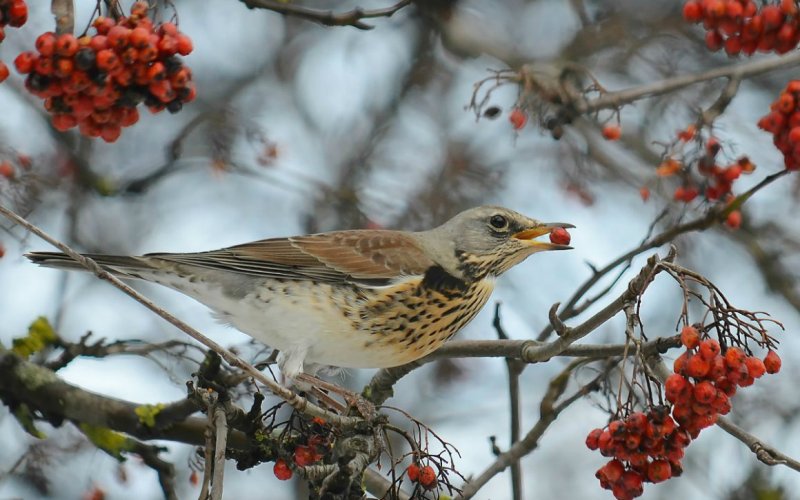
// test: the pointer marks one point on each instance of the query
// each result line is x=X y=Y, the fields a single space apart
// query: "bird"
x=363 y=298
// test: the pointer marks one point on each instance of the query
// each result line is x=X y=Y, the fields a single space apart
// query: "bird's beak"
x=528 y=236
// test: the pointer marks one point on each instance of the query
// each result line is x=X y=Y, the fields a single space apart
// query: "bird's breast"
x=415 y=317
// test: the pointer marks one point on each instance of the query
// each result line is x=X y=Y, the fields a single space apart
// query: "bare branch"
x=328 y=18
x=613 y=100
x=515 y=368
x=221 y=433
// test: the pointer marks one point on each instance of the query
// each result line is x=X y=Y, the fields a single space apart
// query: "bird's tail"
x=119 y=265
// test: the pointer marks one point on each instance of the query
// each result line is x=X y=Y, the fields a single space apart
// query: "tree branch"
x=613 y=100
x=328 y=18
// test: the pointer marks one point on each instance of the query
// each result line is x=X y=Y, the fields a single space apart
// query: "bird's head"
x=488 y=240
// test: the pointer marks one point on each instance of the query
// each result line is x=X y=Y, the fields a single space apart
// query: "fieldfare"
x=356 y=299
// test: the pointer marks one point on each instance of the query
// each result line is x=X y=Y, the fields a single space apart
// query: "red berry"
x=612 y=132
x=17 y=13
x=644 y=193
x=110 y=132
x=734 y=357
x=3 y=71
x=613 y=470
x=25 y=62
x=413 y=472
x=755 y=367
x=184 y=45
x=675 y=387
x=685 y=194
x=772 y=362
x=709 y=348
x=690 y=337
x=518 y=118
x=692 y=12
x=714 y=41
x=139 y=38
x=559 y=236
x=67 y=45
x=46 y=43
x=773 y=17
x=63 y=122
x=789 y=7
x=6 y=170
x=786 y=103
x=697 y=366
x=427 y=477
x=705 y=392
x=632 y=482
x=282 y=470
x=658 y=471
x=679 y=365
x=592 y=440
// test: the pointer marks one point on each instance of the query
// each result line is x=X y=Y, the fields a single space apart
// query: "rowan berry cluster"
x=13 y=13
x=783 y=122
x=717 y=178
x=309 y=450
x=96 y=82
x=705 y=379
x=648 y=447
x=425 y=476
x=744 y=27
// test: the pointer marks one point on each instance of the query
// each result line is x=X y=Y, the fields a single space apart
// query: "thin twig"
x=220 y=444
x=515 y=368
x=612 y=100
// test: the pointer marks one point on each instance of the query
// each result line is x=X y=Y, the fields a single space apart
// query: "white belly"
x=308 y=324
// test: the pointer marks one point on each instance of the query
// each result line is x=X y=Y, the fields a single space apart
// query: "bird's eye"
x=498 y=222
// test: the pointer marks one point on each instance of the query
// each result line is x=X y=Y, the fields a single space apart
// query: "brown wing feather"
x=366 y=256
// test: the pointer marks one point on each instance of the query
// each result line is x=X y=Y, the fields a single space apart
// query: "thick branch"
x=42 y=390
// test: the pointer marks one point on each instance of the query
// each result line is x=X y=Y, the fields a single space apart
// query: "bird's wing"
x=365 y=256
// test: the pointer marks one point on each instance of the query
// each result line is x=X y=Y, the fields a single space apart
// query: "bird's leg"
x=364 y=407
